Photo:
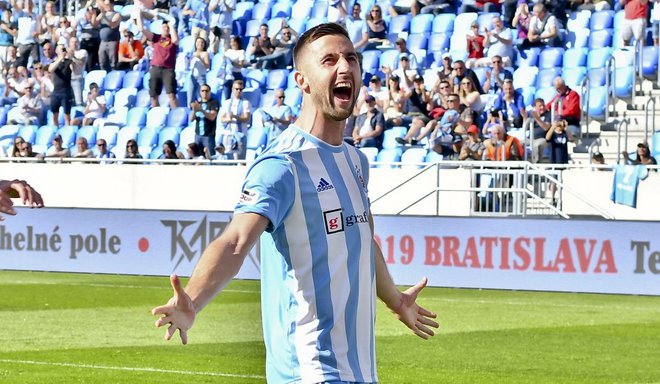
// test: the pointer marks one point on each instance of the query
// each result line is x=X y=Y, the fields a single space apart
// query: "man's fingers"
x=162 y=310
x=418 y=287
x=427 y=321
x=421 y=334
x=176 y=286
x=6 y=205
x=184 y=336
x=425 y=312
x=163 y=321
x=170 y=332
x=426 y=330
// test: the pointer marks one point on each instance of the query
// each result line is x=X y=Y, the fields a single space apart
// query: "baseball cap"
x=369 y=99
x=643 y=145
x=473 y=129
x=375 y=78
x=394 y=77
x=418 y=78
x=403 y=57
x=446 y=55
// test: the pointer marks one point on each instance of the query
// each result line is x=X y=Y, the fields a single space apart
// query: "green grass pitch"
x=82 y=328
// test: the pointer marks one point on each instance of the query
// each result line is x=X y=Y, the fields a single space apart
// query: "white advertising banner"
x=548 y=255
x=112 y=241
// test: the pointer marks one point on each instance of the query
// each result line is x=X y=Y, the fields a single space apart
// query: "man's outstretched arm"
x=219 y=263
x=403 y=304
x=17 y=189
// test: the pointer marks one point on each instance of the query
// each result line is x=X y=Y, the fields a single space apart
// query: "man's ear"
x=301 y=81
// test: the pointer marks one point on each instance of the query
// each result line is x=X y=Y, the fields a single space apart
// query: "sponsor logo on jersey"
x=334 y=221
x=324 y=186
x=248 y=197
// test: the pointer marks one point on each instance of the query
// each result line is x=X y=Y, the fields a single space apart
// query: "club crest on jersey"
x=334 y=221
x=324 y=186
x=248 y=197
x=359 y=176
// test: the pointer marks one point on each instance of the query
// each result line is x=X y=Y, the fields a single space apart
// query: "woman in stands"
x=396 y=104
x=200 y=64
x=132 y=151
x=643 y=155
x=470 y=100
x=48 y=22
x=170 y=152
x=376 y=32
x=16 y=149
x=521 y=21
x=235 y=57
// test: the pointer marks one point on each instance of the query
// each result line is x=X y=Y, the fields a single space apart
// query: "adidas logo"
x=324 y=186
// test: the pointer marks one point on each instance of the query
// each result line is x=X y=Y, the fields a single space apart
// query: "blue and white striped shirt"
x=317 y=265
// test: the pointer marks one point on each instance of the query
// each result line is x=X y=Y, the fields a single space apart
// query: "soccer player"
x=17 y=189
x=320 y=268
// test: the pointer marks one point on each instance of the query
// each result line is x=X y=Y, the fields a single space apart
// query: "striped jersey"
x=317 y=263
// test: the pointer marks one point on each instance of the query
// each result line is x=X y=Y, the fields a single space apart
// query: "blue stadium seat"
x=109 y=134
x=421 y=24
x=125 y=134
x=68 y=133
x=551 y=57
x=298 y=24
x=44 y=137
x=147 y=139
x=417 y=41
x=7 y=135
x=178 y=117
x=169 y=133
x=274 y=25
x=301 y=9
x=597 y=77
x=547 y=76
x=443 y=23
x=370 y=153
x=253 y=95
x=187 y=136
x=420 y=55
x=28 y=133
x=655 y=148
x=281 y=9
x=618 y=19
x=525 y=77
x=313 y=22
x=481 y=74
x=293 y=98
x=438 y=43
x=528 y=94
x=95 y=76
x=319 y=9
x=255 y=78
x=546 y=93
x=156 y=117
x=132 y=79
x=597 y=99
x=650 y=61
x=414 y=157
x=142 y=98
x=137 y=116
x=243 y=9
x=389 y=58
x=371 y=60
x=623 y=79
x=389 y=155
x=623 y=57
x=573 y=77
x=577 y=38
x=354 y=29
x=88 y=132
x=598 y=57
x=257 y=139
x=125 y=97
x=252 y=28
x=463 y=21
x=3 y=115
x=261 y=12
x=528 y=57
x=291 y=80
x=601 y=20
x=117 y=117
x=277 y=78
x=433 y=157
x=600 y=39
x=390 y=135
x=398 y=24
x=485 y=20
x=575 y=57
x=578 y=20
x=113 y=81
x=267 y=99
x=187 y=44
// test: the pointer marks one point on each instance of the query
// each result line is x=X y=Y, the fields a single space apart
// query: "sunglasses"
x=497 y=61
x=452 y=100
x=238 y=89
x=280 y=97
x=130 y=145
x=205 y=90
x=466 y=83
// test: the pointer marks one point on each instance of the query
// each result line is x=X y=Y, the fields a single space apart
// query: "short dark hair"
x=311 y=35
x=539 y=100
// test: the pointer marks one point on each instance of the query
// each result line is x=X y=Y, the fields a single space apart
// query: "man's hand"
x=179 y=312
x=17 y=189
x=417 y=318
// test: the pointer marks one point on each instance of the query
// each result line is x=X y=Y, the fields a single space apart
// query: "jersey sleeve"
x=268 y=190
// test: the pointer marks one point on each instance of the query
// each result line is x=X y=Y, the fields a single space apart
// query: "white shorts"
x=635 y=27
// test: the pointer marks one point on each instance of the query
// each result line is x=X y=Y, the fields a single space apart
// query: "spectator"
x=503 y=147
x=369 y=126
x=200 y=65
x=643 y=155
x=496 y=77
x=9 y=60
x=570 y=106
x=521 y=21
x=170 y=152
x=447 y=69
x=495 y=118
x=104 y=153
x=441 y=131
x=166 y=46
x=7 y=32
x=375 y=33
x=398 y=99
x=62 y=95
x=590 y=5
x=470 y=98
x=479 y=6
x=235 y=116
x=543 y=30
x=634 y=22
x=439 y=103
x=79 y=58
x=64 y=32
x=558 y=139
x=473 y=147
x=280 y=114
x=95 y=107
x=27 y=31
x=132 y=151
x=26 y=151
x=48 y=22
x=418 y=103
x=194 y=19
x=475 y=45
x=16 y=149
x=282 y=56
x=403 y=72
x=204 y=114
x=29 y=108
x=498 y=43
x=512 y=105
x=89 y=36
x=460 y=72
x=356 y=12
x=14 y=86
x=43 y=83
x=48 y=56
x=220 y=23
x=261 y=45
x=57 y=150
x=195 y=152
x=433 y=6
x=108 y=22
x=540 y=125
x=82 y=148
x=130 y=52
x=375 y=89
x=234 y=60
x=402 y=47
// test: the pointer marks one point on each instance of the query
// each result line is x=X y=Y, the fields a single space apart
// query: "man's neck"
x=321 y=127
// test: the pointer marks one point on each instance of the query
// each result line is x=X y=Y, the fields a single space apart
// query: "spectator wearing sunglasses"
x=204 y=114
